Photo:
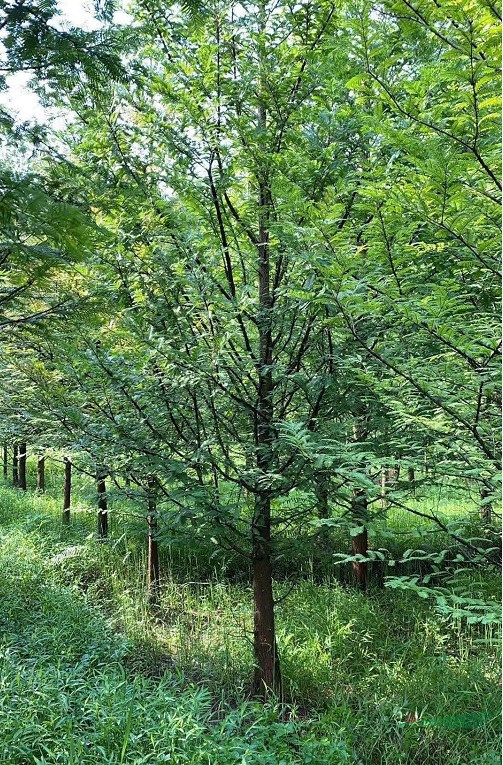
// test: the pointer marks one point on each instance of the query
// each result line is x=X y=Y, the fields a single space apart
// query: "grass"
x=88 y=675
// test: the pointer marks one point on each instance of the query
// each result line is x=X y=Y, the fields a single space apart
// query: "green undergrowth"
x=394 y=531
x=88 y=674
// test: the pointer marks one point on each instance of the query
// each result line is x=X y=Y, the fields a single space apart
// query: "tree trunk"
x=15 y=465
x=102 y=502
x=359 y=504
x=389 y=476
x=67 y=499
x=22 y=466
x=5 y=461
x=384 y=503
x=41 y=474
x=359 y=543
x=411 y=476
x=267 y=674
x=392 y=474
x=321 y=490
x=153 y=566
x=486 y=508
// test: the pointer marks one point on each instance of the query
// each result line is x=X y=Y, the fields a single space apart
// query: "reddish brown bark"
x=67 y=496
x=267 y=674
x=22 y=466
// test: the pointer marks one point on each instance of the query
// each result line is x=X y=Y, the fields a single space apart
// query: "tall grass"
x=89 y=674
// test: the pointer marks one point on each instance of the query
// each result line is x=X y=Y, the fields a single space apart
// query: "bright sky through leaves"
x=19 y=98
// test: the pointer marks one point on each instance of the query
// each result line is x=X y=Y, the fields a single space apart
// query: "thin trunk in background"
x=321 y=492
x=359 y=508
x=101 y=474
x=389 y=477
x=5 y=461
x=384 y=503
x=153 y=566
x=67 y=497
x=486 y=508
x=323 y=545
x=392 y=474
x=41 y=474
x=22 y=466
x=359 y=542
x=411 y=477
x=15 y=465
x=426 y=463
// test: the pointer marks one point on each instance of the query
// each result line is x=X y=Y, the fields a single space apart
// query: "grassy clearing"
x=88 y=675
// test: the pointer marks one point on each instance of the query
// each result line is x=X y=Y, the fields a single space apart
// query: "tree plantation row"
x=253 y=280
x=359 y=545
